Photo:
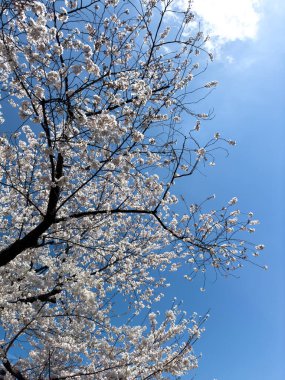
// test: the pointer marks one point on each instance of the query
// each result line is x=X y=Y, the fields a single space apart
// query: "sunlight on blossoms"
x=92 y=144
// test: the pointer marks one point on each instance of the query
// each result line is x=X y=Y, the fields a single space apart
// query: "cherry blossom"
x=90 y=223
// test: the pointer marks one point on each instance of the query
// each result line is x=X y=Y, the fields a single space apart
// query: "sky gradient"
x=245 y=335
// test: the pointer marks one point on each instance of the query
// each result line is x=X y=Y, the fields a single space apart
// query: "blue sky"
x=245 y=335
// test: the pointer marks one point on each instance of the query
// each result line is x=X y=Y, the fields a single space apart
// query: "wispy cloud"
x=230 y=20
x=227 y=20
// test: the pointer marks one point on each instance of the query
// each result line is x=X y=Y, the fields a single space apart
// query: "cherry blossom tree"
x=93 y=93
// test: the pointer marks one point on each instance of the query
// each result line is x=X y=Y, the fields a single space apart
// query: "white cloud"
x=227 y=20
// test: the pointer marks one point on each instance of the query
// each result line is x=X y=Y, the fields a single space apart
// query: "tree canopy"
x=93 y=93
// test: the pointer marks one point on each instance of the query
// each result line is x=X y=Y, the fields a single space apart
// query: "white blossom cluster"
x=90 y=227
